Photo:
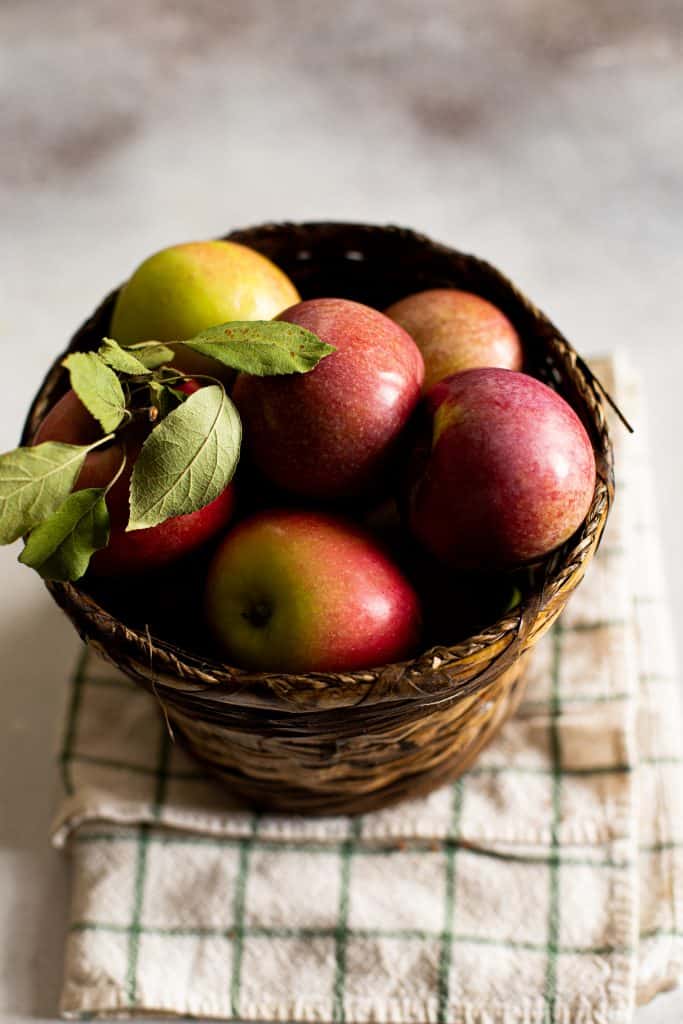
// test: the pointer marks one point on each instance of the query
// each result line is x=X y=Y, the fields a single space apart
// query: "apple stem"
x=101 y=441
x=194 y=376
x=118 y=472
x=145 y=412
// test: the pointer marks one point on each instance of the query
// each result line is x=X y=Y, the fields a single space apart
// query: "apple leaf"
x=98 y=388
x=152 y=354
x=34 y=482
x=261 y=347
x=61 y=547
x=120 y=359
x=187 y=460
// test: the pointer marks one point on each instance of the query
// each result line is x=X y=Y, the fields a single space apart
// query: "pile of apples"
x=382 y=500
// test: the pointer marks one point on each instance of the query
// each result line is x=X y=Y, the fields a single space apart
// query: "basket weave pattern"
x=351 y=742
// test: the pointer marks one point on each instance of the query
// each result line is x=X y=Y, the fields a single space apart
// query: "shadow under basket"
x=349 y=742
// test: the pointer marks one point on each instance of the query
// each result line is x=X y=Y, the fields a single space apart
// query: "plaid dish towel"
x=545 y=886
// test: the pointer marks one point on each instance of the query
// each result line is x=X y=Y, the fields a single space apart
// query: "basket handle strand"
x=599 y=386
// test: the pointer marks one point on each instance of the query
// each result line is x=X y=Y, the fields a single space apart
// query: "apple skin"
x=455 y=331
x=182 y=290
x=138 y=550
x=506 y=473
x=330 y=433
x=298 y=591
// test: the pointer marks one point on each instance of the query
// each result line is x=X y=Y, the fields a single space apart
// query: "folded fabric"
x=544 y=886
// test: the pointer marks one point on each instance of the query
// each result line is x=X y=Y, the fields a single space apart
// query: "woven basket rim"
x=210 y=677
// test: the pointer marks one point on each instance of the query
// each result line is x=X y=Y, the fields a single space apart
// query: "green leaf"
x=152 y=354
x=34 y=482
x=98 y=388
x=120 y=358
x=261 y=347
x=61 y=547
x=187 y=460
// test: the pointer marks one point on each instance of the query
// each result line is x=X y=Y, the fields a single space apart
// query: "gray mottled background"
x=546 y=137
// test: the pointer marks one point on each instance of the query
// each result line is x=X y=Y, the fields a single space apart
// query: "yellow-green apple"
x=182 y=290
x=331 y=433
x=298 y=591
x=456 y=330
x=504 y=471
x=138 y=550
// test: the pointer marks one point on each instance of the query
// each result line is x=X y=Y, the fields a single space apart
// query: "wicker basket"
x=350 y=742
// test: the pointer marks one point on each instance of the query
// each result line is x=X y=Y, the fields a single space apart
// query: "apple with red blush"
x=456 y=330
x=504 y=471
x=331 y=433
x=133 y=551
x=299 y=591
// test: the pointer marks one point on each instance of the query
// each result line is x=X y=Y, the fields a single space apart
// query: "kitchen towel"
x=544 y=886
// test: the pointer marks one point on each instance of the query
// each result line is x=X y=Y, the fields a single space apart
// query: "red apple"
x=457 y=331
x=508 y=473
x=139 y=550
x=330 y=433
x=297 y=591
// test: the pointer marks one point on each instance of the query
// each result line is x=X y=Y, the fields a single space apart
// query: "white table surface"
x=552 y=146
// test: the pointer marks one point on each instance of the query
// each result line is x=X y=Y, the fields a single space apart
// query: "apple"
x=455 y=331
x=331 y=433
x=182 y=290
x=298 y=591
x=504 y=470
x=138 y=550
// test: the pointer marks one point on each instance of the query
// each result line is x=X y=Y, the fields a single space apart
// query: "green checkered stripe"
x=509 y=896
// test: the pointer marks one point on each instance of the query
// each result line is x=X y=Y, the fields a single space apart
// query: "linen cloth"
x=544 y=886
